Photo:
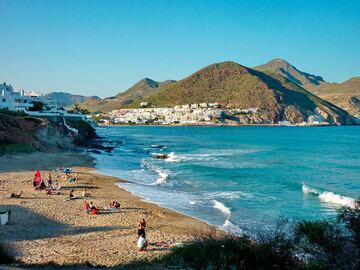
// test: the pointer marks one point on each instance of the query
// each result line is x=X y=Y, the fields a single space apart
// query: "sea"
x=240 y=179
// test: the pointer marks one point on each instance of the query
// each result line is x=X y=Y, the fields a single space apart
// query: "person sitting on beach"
x=92 y=206
x=87 y=207
x=42 y=185
x=72 y=179
x=16 y=195
x=49 y=180
x=86 y=194
x=142 y=242
x=71 y=195
x=116 y=204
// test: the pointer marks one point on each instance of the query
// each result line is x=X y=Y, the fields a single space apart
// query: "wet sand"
x=48 y=228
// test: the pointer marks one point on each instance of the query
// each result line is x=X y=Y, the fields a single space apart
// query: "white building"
x=14 y=101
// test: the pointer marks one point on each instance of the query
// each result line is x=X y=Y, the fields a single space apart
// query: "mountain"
x=282 y=67
x=236 y=86
x=66 y=99
x=138 y=91
x=345 y=95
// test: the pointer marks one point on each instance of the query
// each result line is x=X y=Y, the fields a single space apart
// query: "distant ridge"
x=138 y=91
x=345 y=95
x=66 y=99
x=237 y=86
x=284 y=68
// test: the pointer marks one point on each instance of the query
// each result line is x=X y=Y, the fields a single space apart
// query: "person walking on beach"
x=49 y=180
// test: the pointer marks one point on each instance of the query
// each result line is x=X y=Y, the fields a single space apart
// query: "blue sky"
x=104 y=47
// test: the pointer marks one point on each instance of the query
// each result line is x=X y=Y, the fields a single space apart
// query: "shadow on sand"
x=28 y=225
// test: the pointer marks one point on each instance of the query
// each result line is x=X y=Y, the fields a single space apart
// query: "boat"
x=160 y=156
x=157 y=146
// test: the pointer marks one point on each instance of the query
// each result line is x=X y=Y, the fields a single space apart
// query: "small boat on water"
x=160 y=156
x=157 y=146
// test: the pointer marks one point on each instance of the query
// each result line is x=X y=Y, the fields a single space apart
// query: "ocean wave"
x=163 y=174
x=329 y=197
x=231 y=228
x=219 y=205
x=172 y=157
x=163 y=177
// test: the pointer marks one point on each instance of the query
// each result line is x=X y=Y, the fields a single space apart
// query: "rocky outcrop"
x=43 y=135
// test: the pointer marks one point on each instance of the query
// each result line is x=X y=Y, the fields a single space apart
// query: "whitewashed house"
x=14 y=101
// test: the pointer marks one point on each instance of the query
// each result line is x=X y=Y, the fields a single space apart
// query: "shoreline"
x=118 y=184
x=61 y=232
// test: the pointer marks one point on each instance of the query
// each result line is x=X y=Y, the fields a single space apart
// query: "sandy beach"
x=48 y=228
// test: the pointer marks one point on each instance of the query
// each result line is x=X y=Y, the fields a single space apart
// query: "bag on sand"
x=5 y=217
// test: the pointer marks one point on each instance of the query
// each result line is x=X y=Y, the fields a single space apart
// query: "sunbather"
x=50 y=191
x=114 y=205
x=86 y=194
x=16 y=195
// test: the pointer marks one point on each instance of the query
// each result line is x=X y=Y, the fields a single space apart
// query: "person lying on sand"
x=86 y=194
x=16 y=195
x=50 y=191
x=70 y=178
x=114 y=205
x=142 y=243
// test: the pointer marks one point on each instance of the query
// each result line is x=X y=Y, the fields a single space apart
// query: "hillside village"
x=193 y=114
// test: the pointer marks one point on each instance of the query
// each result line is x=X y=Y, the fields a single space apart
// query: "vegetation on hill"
x=345 y=95
x=285 y=69
x=139 y=91
x=233 y=85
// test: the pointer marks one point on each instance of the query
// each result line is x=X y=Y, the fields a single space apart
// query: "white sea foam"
x=163 y=177
x=172 y=157
x=231 y=228
x=222 y=208
x=329 y=197
x=163 y=174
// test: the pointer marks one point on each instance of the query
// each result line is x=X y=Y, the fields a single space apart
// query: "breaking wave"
x=163 y=174
x=227 y=226
x=172 y=157
x=329 y=197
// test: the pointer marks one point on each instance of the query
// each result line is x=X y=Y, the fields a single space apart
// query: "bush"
x=324 y=244
x=5 y=257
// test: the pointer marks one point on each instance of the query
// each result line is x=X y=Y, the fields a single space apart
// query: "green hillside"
x=139 y=91
x=236 y=86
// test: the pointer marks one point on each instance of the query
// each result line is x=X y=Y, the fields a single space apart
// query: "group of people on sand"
x=52 y=188
x=91 y=208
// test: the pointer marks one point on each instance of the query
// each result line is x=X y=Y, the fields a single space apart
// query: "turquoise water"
x=239 y=178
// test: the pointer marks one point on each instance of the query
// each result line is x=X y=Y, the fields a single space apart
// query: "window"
x=4 y=100
x=25 y=101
